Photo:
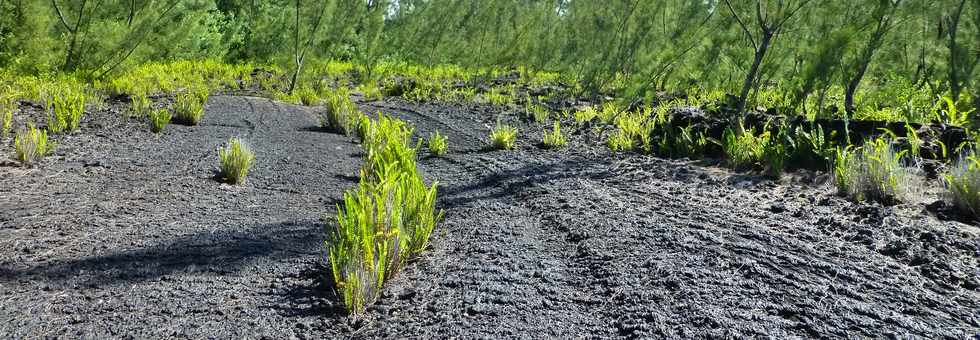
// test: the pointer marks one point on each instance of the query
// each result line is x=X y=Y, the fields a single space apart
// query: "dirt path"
x=124 y=234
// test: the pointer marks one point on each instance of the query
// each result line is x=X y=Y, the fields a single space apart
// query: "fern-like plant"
x=385 y=221
x=236 y=160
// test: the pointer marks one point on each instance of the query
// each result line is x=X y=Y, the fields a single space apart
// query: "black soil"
x=125 y=234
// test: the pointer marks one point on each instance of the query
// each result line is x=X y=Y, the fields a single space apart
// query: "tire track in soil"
x=590 y=244
x=544 y=244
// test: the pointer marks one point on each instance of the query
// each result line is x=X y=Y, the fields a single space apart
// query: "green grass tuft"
x=236 y=160
x=6 y=120
x=189 y=107
x=31 y=145
x=66 y=111
x=340 y=115
x=874 y=171
x=140 y=105
x=963 y=183
x=503 y=137
x=555 y=138
x=437 y=144
x=159 y=119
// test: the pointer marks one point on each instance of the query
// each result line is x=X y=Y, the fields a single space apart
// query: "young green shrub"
x=140 y=105
x=340 y=114
x=189 y=107
x=555 y=138
x=66 y=111
x=437 y=144
x=31 y=144
x=503 y=137
x=875 y=171
x=385 y=221
x=236 y=159
x=159 y=119
x=963 y=183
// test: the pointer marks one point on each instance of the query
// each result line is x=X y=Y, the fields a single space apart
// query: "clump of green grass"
x=340 y=114
x=874 y=171
x=6 y=121
x=236 y=160
x=189 y=106
x=963 y=183
x=66 y=111
x=437 y=144
x=371 y=91
x=140 y=105
x=503 y=137
x=159 y=119
x=385 y=221
x=31 y=145
x=585 y=115
x=620 y=141
x=555 y=138
x=539 y=113
x=308 y=96
x=743 y=150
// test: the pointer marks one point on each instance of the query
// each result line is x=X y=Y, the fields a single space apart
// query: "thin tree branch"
x=741 y=24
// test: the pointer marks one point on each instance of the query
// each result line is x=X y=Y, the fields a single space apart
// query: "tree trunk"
x=760 y=54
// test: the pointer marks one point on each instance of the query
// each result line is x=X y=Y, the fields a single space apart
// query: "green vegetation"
x=31 y=144
x=140 y=106
x=437 y=144
x=159 y=119
x=503 y=137
x=6 y=119
x=744 y=150
x=585 y=115
x=555 y=138
x=385 y=221
x=189 y=106
x=340 y=114
x=66 y=111
x=874 y=171
x=963 y=183
x=236 y=159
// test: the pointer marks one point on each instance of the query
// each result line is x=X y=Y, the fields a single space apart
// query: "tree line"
x=816 y=53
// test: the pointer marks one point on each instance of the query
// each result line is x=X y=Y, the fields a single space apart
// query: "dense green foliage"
x=386 y=220
x=875 y=59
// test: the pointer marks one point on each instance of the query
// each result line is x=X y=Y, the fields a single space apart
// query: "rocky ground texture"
x=126 y=234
